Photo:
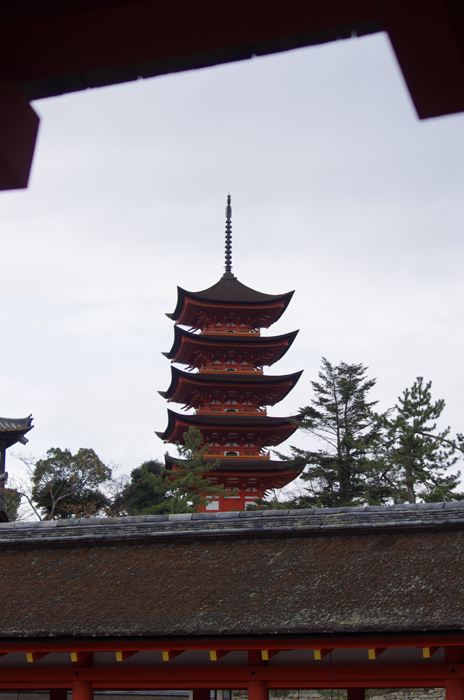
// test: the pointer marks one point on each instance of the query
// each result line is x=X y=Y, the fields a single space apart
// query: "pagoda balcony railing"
x=211 y=330
x=239 y=409
x=241 y=454
x=227 y=368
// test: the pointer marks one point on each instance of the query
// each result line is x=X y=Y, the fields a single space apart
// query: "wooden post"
x=257 y=690
x=58 y=694
x=454 y=655
x=355 y=694
x=18 y=131
x=82 y=690
x=200 y=694
x=455 y=689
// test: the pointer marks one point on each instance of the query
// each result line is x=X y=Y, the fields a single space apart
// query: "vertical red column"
x=258 y=690
x=200 y=694
x=355 y=694
x=82 y=690
x=58 y=694
x=455 y=689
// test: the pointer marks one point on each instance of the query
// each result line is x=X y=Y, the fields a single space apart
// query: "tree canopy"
x=373 y=458
x=342 y=420
x=182 y=486
x=138 y=496
x=66 y=485
x=416 y=452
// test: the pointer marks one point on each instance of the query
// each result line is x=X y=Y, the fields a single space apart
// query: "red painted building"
x=353 y=598
x=227 y=387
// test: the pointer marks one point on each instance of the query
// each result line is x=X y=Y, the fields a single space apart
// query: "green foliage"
x=418 y=455
x=12 y=501
x=138 y=496
x=184 y=486
x=345 y=470
x=66 y=485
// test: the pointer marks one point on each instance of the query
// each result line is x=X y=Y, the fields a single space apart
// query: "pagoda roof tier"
x=196 y=389
x=13 y=430
x=275 y=473
x=197 y=309
x=267 y=430
x=194 y=349
x=248 y=466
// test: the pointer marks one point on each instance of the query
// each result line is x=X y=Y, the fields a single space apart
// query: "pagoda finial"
x=228 y=259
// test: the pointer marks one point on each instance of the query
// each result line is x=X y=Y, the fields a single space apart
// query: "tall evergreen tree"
x=344 y=471
x=417 y=453
x=184 y=486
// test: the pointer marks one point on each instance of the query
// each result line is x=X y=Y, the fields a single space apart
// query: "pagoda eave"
x=193 y=350
x=13 y=430
x=275 y=480
x=239 y=466
x=269 y=431
x=228 y=295
x=193 y=389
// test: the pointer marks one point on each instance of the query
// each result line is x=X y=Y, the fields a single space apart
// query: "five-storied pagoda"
x=225 y=353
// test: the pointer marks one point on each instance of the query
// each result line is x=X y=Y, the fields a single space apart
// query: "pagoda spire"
x=228 y=256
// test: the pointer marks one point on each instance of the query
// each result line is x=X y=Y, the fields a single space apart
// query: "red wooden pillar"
x=18 y=131
x=355 y=694
x=58 y=694
x=258 y=690
x=200 y=694
x=82 y=690
x=455 y=689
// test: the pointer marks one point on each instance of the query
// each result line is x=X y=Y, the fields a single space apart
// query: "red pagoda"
x=225 y=354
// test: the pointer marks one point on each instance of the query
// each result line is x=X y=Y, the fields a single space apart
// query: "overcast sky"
x=338 y=192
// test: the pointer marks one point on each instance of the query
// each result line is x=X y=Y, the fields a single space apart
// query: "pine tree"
x=418 y=455
x=183 y=486
x=345 y=470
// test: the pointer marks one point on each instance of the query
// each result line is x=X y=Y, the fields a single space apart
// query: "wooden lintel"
x=375 y=653
x=123 y=655
x=427 y=652
x=35 y=655
x=82 y=658
x=216 y=654
x=319 y=654
x=267 y=654
x=171 y=654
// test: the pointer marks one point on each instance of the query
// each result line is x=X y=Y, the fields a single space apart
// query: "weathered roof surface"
x=334 y=571
x=271 y=388
x=237 y=464
x=228 y=290
x=273 y=429
x=12 y=430
x=269 y=349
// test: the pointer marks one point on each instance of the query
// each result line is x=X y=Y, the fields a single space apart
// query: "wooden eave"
x=270 y=429
x=186 y=387
x=228 y=295
x=188 y=348
x=52 y=48
x=238 y=466
x=13 y=430
x=277 y=479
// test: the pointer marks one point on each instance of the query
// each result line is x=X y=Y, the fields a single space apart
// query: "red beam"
x=236 y=644
x=123 y=655
x=226 y=676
